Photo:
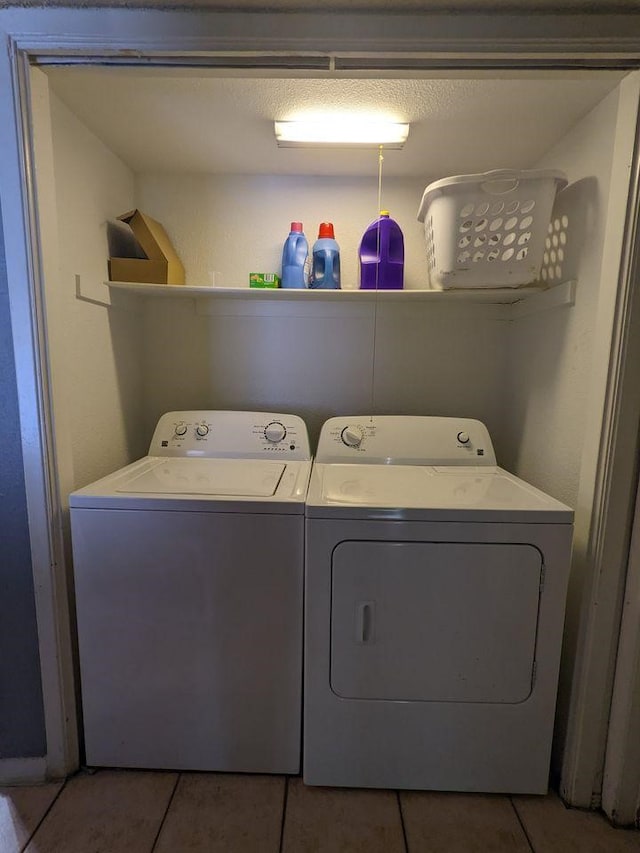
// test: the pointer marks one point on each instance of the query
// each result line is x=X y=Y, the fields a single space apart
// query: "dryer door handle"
x=365 y=622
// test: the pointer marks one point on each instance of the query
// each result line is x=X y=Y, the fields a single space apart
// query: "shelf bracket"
x=86 y=291
x=95 y=296
x=555 y=297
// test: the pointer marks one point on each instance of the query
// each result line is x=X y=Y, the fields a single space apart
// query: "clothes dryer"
x=434 y=606
x=188 y=580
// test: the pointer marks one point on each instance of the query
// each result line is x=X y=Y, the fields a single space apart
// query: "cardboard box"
x=263 y=279
x=162 y=265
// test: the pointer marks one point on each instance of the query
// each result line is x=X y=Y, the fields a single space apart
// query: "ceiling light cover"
x=341 y=134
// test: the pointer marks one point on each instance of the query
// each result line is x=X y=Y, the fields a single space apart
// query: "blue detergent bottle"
x=295 y=253
x=325 y=265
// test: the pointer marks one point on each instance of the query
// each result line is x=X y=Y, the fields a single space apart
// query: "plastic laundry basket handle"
x=500 y=183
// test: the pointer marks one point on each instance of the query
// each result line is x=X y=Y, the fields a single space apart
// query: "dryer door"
x=433 y=621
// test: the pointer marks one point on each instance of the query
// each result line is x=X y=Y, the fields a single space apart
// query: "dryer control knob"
x=274 y=432
x=202 y=430
x=352 y=436
x=463 y=437
x=180 y=429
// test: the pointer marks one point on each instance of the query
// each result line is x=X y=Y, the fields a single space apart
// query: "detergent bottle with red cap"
x=325 y=264
x=295 y=254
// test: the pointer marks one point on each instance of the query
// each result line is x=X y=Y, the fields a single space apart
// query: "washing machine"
x=188 y=572
x=435 y=587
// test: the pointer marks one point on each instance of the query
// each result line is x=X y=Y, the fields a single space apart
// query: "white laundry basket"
x=488 y=230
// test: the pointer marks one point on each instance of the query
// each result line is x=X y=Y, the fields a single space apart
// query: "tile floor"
x=127 y=811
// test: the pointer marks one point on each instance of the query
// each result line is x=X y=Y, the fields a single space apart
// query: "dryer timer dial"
x=352 y=435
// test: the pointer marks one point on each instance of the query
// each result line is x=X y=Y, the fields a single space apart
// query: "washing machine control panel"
x=405 y=440
x=352 y=435
x=219 y=434
x=275 y=432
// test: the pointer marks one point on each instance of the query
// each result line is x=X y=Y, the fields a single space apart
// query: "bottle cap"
x=326 y=230
x=296 y=226
x=384 y=213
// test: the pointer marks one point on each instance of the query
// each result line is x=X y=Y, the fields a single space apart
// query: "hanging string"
x=380 y=161
x=375 y=303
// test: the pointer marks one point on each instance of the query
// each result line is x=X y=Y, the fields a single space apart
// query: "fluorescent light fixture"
x=339 y=133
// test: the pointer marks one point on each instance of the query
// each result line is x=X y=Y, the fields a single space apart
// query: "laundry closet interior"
x=195 y=149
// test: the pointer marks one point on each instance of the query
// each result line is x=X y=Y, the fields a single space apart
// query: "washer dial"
x=202 y=430
x=180 y=429
x=275 y=432
x=352 y=435
x=463 y=437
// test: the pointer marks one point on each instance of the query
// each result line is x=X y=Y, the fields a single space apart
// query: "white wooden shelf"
x=563 y=294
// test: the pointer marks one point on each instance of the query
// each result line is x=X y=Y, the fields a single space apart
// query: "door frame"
x=376 y=41
x=612 y=455
x=621 y=782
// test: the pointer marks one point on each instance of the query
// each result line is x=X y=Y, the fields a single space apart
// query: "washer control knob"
x=275 y=432
x=463 y=437
x=352 y=436
x=202 y=430
x=180 y=429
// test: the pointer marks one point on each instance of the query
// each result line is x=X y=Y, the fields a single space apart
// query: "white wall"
x=237 y=224
x=556 y=391
x=428 y=360
x=314 y=360
x=550 y=352
x=95 y=350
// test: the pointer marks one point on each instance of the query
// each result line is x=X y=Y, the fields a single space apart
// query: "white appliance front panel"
x=427 y=621
x=190 y=639
x=208 y=477
x=499 y=747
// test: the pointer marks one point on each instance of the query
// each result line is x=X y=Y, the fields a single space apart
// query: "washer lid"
x=235 y=477
x=200 y=485
x=428 y=492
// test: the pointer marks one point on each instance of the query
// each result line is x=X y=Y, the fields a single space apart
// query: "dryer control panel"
x=405 y=440
x=222 y=434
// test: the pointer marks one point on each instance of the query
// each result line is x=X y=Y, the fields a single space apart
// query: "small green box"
x=263 y=279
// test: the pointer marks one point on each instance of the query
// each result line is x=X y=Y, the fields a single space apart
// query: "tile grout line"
x=284 y=812
x=166 y=812
x=43 y=818
x=404 y=829
x=522 y=826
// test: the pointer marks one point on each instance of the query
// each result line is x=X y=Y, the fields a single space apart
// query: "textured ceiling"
x=178 y=122
x=395 y=6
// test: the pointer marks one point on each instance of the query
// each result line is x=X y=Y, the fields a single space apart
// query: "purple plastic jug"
x=382 y=255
